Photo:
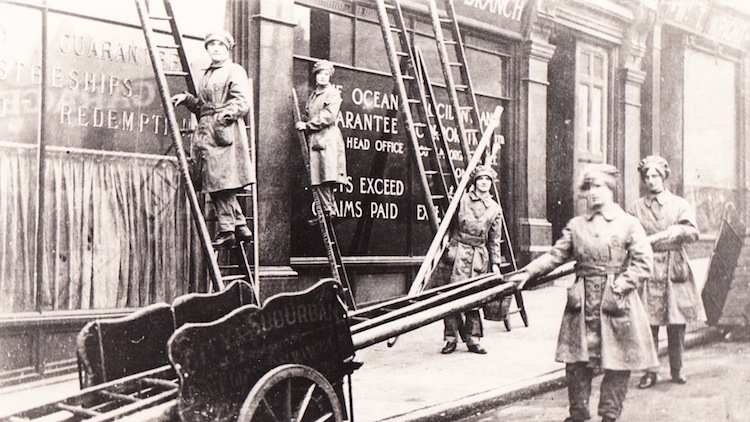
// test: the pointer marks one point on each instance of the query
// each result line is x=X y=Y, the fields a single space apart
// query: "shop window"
x=194 y=18
x=711 y=155
x=489 y=72
x=301 y=30
x=374 y=56
x=20 y=111
x=591 y=103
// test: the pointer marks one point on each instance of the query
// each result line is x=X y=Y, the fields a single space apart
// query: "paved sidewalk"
x=413 y=382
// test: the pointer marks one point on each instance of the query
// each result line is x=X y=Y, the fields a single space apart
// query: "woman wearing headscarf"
x=325 y=141
x=605 y=325
x=473 y=249
x=670 y=294
x=220 y=144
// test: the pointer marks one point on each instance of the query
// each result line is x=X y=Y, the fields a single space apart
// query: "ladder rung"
x=472 y=130
x=438 y=197
x=118 y=396
x=414 y=101
x=450 y=42
x=431 y=172
x=175 y=73
x=230 y=278
x=160 y=382
x=77 y=410
x=396 y=29
x=455 y=64
x=402 y=54
x=407 y=77
x=173 y=46
x=160 y=18
x=461 y=87
x=445 y=20
x=420 y=124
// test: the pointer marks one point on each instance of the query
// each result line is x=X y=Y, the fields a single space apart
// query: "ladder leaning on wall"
x=234 y=264
x=336 y=262
x=417 y=99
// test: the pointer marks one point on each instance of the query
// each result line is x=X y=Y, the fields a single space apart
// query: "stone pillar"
x=272 y=38
x=651 y=115
x=530 y=174
x=634 y=140
x=630 y=133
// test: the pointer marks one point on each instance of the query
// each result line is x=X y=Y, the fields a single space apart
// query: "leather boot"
x=223 y=239
x=243 y=233
x=449 y=348
x=647 y=380
x=678 y=378
x=478 y=349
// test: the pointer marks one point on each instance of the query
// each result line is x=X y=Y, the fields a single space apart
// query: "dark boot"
x=449 y=348
x=647 y=380
x=243 y=233
x=224 y=239
x=478 y=349
x=678 y=378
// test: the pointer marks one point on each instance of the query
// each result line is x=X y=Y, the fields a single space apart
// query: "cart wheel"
x=292 y=393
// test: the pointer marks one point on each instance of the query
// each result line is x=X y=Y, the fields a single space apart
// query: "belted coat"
x=326 y=143
x=600 y=325
x=220 y=145
x=670 y=295
x=474 y=240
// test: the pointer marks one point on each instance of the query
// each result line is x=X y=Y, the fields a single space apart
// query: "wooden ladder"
x=240 y=267
x=338 y=271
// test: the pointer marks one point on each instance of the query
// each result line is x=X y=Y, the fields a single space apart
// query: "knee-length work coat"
x=220 y=143
x=670 y=295
x=599 y=325
x=474 y=240
x=326 y=143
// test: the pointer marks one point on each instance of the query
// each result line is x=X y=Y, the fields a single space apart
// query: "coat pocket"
x=449 y=256
x=316 y=144
x=575 y=297
x=614 y=304
x=223 y=134
x=679 y=270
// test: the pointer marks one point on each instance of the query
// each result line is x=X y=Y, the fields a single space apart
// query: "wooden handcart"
x=287 y=360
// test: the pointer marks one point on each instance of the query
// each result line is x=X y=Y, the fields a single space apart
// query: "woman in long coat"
x=474 y=249
x=604 y=324
x=326 y=143
x=220 y=143
x=670 y=295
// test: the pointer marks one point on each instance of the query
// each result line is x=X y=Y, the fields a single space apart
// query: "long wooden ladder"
x=464 y=101
x=424 y=130
x=338 y=271
x=408 y=67
x=214 y=269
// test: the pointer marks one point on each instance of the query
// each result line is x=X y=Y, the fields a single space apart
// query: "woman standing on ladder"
x=223 y=152
x=326 y=143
